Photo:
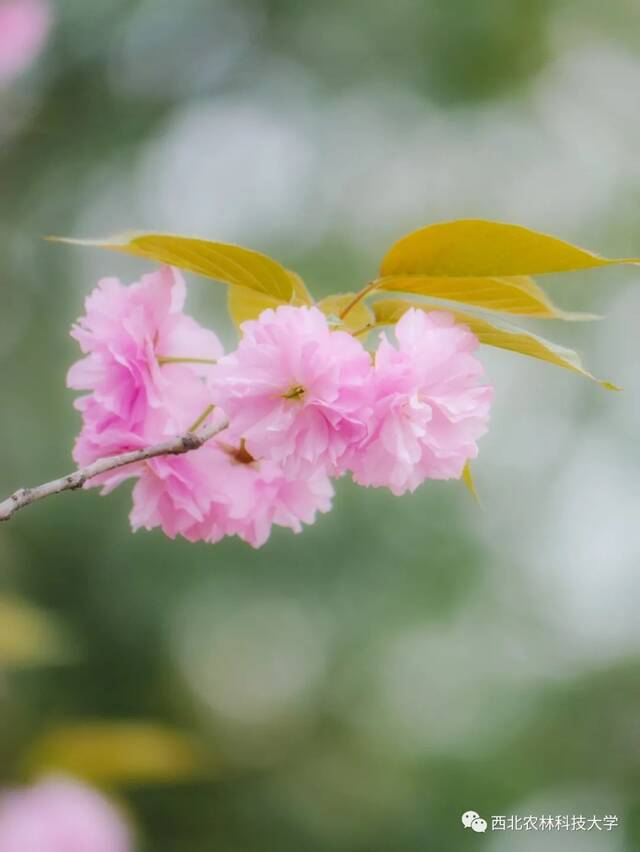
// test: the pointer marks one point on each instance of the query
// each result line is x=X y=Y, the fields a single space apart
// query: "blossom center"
x=295 y=392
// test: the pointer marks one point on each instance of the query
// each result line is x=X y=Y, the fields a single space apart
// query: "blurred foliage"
x=360 y=686
x=28 y=636
x=114 y=753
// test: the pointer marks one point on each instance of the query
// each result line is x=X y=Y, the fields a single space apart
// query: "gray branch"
x=175 y=447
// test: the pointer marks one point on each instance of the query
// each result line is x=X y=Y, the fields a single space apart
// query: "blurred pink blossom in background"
x=24 y=26
x=60 y=815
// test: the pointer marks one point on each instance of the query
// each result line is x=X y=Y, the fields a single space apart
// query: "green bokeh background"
x=404 y=660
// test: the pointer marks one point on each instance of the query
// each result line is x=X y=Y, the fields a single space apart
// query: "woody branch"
x=176 y=446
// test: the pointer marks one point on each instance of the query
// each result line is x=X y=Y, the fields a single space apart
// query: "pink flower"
x=221 y=490
x=24 y=26
x=276 y=499
x=138 y=399
x=295 y=390
x=135 y=398
x=429 y=406
x=59 y=815
x=303 y=402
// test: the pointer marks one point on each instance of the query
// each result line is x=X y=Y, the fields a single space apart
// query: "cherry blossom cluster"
x=303 y=402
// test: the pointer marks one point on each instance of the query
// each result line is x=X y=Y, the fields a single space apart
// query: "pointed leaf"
x=467 y=478
x=479 y=248
x=115 y=753
x=518 y=295
x=494 y=333
x=223 y=262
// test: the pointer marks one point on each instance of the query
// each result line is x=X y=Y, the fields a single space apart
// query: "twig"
x=358 y=298
x=176 y=446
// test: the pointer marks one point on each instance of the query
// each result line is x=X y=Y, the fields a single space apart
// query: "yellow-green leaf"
x=223 y=262
x=115 y=753
x=518 y=295
x=479 y=248
x=301 y=296
x=245 y=304
x=494 y=333
x=29 y=636
x=359 y=317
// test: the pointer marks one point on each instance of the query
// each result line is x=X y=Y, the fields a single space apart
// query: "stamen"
x=239 y=454
x=296 y=392
x=242 y=455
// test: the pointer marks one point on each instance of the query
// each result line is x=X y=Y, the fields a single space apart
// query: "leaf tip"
x=467 y=478
x=578 y=316
x=71 y=241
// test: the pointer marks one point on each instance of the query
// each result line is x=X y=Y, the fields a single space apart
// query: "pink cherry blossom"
x=279 y=500
x=304 y=402
x=429 y=405
x=24 y=26
x=294 y=389
x=135 y=399
x=221 y=490
x=59 y=815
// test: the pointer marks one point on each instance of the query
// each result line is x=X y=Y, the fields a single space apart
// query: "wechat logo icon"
x=472 y=820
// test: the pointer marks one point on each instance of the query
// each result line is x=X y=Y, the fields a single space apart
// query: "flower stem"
x=201 y=419
x=169 y=359
x=358 y=298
